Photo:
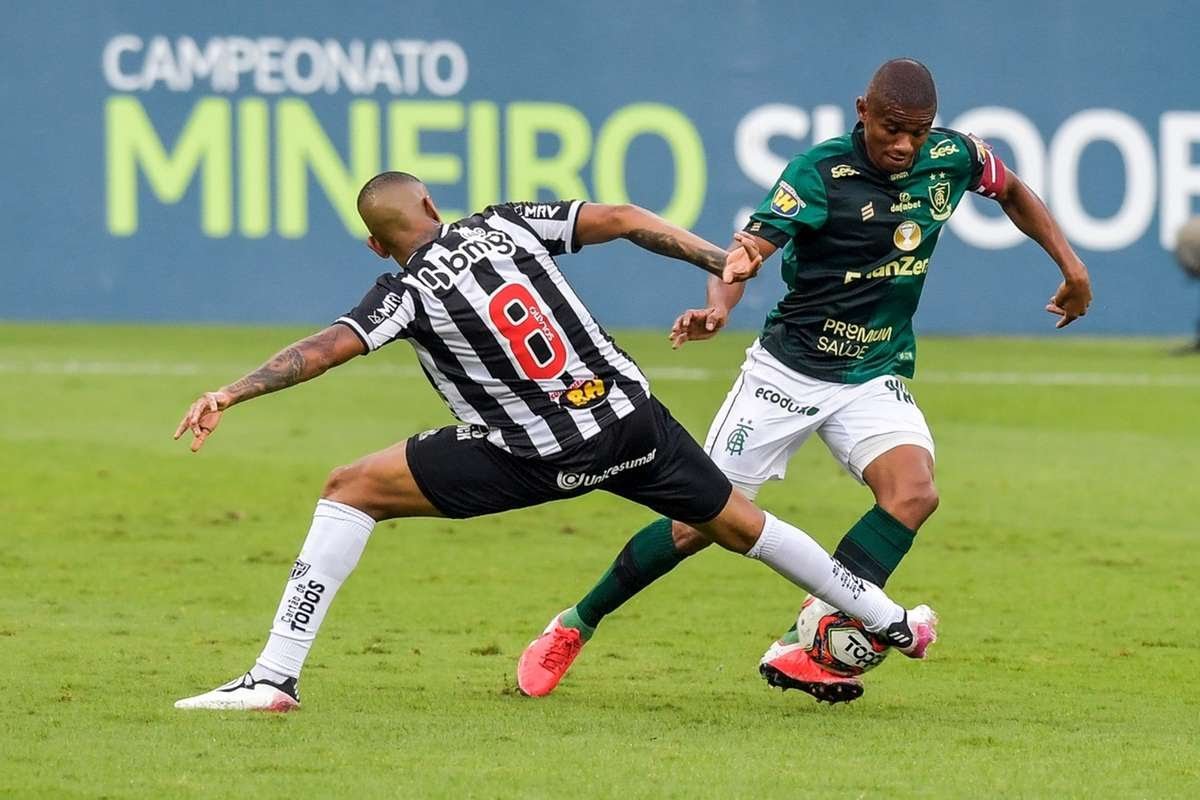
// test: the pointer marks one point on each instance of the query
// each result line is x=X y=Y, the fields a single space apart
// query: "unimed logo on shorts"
x=568 y=481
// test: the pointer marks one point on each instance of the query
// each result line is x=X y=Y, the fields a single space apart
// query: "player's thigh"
x=460 y=474
x=380 y=484
x=671 y=474
x=767 y=415
x=876 y=417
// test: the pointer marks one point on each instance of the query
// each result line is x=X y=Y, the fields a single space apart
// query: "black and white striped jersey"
x=499 y=332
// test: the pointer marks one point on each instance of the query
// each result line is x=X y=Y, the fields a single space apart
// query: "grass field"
x=1065 y=562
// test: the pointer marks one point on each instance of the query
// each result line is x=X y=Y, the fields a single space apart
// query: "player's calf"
x=687 y=540
x=902 y=481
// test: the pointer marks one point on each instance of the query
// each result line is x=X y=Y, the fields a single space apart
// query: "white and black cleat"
x=247 y=694
x=913 y=634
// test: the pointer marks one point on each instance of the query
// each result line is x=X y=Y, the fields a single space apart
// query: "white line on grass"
x=661 y=373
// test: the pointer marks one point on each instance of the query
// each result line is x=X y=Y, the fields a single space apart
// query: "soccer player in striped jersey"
x=550 y=408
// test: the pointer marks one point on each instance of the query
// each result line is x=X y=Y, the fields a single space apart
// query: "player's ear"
x=431 y=208
x=377 y=248
x=860 y=105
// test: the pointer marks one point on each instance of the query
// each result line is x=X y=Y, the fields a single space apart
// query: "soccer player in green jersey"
x=857 y=218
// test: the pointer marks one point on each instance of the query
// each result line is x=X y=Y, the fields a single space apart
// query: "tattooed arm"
x=296 y=363
x=602 y=223
x=709 y=258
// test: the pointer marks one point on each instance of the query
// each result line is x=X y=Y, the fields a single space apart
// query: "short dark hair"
x=904 y=82
x=383 y=179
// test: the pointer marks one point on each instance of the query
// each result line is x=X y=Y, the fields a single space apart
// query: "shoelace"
x=562 y=649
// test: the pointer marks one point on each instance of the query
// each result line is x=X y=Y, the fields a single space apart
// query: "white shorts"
x=772 y=409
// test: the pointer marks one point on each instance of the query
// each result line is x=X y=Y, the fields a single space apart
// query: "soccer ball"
x=838 y=641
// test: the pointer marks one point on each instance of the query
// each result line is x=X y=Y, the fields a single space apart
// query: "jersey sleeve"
x=385 y=313
x=553 y=223
x=796 y=202
x=988 y=173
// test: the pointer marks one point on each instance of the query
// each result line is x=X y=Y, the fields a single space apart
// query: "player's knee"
x=687 y=539
x=915 y=502
x=342 y=482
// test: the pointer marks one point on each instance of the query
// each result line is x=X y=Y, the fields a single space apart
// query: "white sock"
x=335 y=542
x=793 y=554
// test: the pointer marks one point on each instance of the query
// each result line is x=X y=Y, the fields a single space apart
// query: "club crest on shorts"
x=299 y=570
x=907 y=236
x=786 y=202
x=735 y=443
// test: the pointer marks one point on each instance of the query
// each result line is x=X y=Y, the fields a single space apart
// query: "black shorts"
x=646 y=457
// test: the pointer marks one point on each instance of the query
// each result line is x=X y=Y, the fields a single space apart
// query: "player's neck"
x=415 y=242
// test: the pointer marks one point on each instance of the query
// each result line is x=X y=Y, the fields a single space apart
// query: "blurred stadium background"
x=166 y=164
x=147 y=142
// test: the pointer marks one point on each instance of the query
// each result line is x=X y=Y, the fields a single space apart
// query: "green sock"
x=646 y=557
x=872 y=549
x=792 y=636
x=571 y=619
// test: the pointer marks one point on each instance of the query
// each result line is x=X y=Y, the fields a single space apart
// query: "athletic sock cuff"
x=892 y=530
x=332 y=509
x=874 y=547
x=768 y=540
x=655 y=545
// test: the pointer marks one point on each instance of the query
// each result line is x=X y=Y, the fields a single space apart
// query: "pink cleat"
x=913 y=634
x=547 y=659
x=789 y=666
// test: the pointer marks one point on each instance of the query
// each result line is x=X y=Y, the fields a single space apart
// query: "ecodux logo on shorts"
x=568 y=481
x=778 y=398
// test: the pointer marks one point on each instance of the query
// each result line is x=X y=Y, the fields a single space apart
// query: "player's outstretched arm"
x=296 y=363
x=1031 y=216
x=698 y=324
x=599 y=223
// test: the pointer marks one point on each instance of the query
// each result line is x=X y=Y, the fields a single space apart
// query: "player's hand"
x=203 y=417
x=1071 y=301
x=742 y=263
x=697 y=324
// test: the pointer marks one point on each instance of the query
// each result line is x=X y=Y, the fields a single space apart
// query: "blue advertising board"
x=199 y=162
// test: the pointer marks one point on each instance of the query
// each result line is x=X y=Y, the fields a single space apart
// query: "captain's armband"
x=994 y=175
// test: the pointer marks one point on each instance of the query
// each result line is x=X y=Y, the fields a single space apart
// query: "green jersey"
x=857 y=243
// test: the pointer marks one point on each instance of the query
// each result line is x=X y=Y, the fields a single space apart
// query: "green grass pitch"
x=1065 y=562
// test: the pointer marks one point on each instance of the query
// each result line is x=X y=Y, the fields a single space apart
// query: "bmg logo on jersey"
x=440 y=272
